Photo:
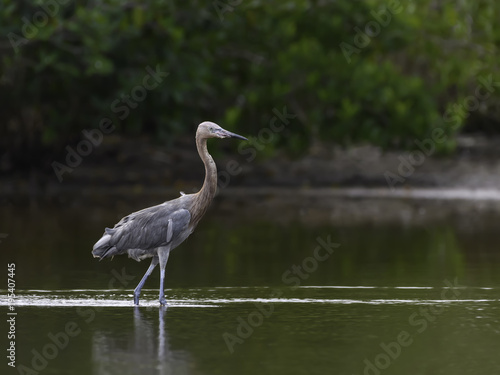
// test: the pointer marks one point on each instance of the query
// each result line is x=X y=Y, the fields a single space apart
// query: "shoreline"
x=133 y=166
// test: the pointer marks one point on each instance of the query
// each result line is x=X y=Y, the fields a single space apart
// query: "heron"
x=155 y=231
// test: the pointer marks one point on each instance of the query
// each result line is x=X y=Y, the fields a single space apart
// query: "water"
x=256 y=291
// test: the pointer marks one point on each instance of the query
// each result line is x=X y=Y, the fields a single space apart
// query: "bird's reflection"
x=145 y=349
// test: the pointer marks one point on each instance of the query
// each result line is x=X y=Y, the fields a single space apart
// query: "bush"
x=66 y=65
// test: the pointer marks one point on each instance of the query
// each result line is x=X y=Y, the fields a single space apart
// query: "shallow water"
x=300 y=330
x=256 y=294
x=304 y=330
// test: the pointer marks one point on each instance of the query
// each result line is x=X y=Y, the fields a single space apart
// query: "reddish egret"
x=155 y=231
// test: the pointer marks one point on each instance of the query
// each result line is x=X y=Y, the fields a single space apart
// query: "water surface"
x=258 y=292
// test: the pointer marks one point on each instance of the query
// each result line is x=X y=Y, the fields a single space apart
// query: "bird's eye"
x=212 y=130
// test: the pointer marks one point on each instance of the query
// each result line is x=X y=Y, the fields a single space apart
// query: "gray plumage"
x=154 y=231
x=147 y=229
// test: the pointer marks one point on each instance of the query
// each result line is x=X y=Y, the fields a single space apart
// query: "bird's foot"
x=136 y=299
x=163 y=301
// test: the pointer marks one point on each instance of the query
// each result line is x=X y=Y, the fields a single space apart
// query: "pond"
x=270 y=283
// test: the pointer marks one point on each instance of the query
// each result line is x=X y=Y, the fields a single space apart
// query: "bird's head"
x=209 y=129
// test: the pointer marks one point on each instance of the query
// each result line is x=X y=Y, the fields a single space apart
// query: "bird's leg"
x=137 y=290
x=163 y=253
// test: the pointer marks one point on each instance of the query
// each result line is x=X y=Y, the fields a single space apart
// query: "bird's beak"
x=228 y=134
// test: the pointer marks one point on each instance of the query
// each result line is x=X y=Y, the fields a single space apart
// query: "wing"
x=146 y=229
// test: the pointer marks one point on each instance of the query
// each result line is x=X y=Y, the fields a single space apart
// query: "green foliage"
x=62 y=68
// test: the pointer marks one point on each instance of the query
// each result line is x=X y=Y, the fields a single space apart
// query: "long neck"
x=209 y=189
